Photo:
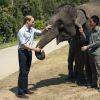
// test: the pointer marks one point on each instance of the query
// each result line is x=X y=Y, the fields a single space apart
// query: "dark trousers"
x=70 y=63
x=97 y=63
x=93 y=65
x=79 y=67
x=83 y=69
x=25 y=58
x=88 y=73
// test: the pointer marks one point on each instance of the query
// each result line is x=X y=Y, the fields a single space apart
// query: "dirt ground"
x=47 y=80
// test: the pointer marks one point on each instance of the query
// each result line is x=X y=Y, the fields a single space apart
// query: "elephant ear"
x=81 y=18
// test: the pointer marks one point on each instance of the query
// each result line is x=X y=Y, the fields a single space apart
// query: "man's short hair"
x=95 y=19
x=28 y=17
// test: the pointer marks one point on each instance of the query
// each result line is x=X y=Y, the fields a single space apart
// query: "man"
x=78 y=57
x=94 y=50
x=25 y=37
x=71 y=55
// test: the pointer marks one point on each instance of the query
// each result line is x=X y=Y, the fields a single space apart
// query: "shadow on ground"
x=52 y=81
x=44 y=83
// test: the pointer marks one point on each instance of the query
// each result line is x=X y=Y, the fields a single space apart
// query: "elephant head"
x=64 y=22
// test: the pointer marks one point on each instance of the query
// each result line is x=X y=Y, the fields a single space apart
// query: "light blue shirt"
x=26 y=36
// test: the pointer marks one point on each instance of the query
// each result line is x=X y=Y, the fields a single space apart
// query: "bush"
x=40 y=24
x=7 y=28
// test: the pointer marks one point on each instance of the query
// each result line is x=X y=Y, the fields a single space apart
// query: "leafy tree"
x=26 y=9
x=7 y=28
x=13 y=11
x=4 y=2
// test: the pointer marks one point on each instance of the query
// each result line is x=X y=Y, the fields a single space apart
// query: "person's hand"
x=84 y=48
x=81 y=30
x=36 y=49
x=48 y=27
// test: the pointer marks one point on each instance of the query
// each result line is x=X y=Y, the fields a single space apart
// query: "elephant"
x=65 y=22
x=65 y=25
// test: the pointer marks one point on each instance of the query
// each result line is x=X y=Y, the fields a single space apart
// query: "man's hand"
x=36 y=49
x=84 y=48
x=81 y=30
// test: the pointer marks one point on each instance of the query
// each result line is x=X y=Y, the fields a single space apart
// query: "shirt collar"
x=96 y=29
x=27 y=29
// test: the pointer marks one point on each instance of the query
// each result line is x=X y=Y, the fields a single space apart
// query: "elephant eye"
x=61 y=26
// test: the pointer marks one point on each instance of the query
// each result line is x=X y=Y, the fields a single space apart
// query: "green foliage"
x=40 y=24
x=12 y=13
x=4 y=3
x=7 y=28
x=26 y=9
x=79 y=1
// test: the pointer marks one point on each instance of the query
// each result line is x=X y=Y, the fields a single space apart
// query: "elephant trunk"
x=43 y=42
x=47 y=37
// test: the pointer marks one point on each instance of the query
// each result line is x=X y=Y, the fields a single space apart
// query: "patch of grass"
x=5 y=45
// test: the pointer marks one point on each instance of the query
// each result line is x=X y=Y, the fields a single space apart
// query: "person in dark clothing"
x=84 y=41
x=76 y=72
x=71 y=60
x=82 y=66
x=94 y=50
x=79 y=61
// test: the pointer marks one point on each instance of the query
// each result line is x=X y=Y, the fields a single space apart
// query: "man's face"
x=30 y=22
x=92 y=24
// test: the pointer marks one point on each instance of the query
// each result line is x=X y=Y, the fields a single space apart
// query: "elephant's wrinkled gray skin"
x=64 y=23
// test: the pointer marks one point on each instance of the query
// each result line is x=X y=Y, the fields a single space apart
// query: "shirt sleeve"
x=37 y=31
x=96 y=43
x=21 y=37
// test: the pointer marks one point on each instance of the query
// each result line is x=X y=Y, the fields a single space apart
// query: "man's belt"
x=23 y=49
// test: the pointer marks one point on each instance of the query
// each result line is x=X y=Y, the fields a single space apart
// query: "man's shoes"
x=69 y=78
x=22 y=95
x=81 y=83
x=28 y=92
x=99 y=90
x=93 y=86
x=88 y=84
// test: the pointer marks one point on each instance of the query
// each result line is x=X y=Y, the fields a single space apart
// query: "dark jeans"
x=88 y=72
x=70 y=64
x=94 y=69
x=25 y=58
x=97 y=59
x=79 y=67
x=83 y=68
